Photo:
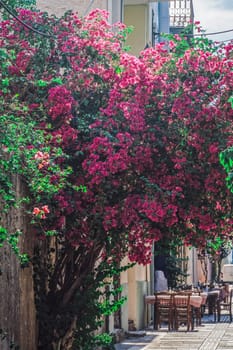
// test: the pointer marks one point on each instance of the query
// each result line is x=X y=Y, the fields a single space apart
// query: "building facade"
x=148 y=18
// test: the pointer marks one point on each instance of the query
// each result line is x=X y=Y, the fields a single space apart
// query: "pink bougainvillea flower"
x=36 y=211
x=41 y=212
x=45 y=209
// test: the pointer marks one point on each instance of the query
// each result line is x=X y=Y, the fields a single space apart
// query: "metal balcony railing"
x=181 y=13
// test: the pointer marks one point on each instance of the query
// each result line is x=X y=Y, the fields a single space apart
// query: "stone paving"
x=208 y=336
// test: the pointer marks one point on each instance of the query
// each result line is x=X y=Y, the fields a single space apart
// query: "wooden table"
x=196 y=301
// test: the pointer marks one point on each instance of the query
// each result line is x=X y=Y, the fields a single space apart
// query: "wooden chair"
x=212 y=302
x=183 y=311
x=225 y=304
x=163 y=310
x=197 y=311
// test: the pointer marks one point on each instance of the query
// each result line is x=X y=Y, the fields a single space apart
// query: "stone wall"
x=17 y=307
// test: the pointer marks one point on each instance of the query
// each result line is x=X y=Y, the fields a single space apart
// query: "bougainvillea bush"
x=117 y=152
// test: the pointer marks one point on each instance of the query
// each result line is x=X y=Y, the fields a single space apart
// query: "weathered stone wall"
x=9 y=299
x=17 y=307
x=27 y=311
x=58 y=7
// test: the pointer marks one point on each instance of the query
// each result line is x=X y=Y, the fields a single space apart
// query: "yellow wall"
x=136 y=16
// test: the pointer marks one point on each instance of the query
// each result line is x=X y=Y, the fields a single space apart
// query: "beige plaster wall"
x=58 y=7
x=137 y=288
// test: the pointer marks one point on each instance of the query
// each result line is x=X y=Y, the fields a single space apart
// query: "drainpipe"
x=164 y=19
x=152 y=271
x=117 y=7
x=88 y=7
x=152 y=281
x=122 y=10
x=193 y=268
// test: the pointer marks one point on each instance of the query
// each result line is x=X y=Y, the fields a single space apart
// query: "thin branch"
x=22 y=22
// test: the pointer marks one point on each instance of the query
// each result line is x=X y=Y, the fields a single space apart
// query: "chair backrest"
x=225 y=295
x=182 y=309
x=182 y=300
x=164 y=299
x=228 y=296
x=231 y=293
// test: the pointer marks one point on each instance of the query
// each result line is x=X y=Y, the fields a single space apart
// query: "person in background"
x=160 y=279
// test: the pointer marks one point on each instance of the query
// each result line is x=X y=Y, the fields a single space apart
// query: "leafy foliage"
x=118 y=152
x=171 y=263
x=10 y=7
x=106 y=306
x=20 y=3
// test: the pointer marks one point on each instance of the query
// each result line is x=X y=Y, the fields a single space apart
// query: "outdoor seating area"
x=174 y=309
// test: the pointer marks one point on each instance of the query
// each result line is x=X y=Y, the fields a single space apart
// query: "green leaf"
x=41 y=83
x=230 y=100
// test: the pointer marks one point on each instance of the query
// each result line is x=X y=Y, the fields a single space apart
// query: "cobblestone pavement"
x=208 y=336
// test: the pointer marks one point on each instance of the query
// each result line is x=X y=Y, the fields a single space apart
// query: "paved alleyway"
x=208 y=336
